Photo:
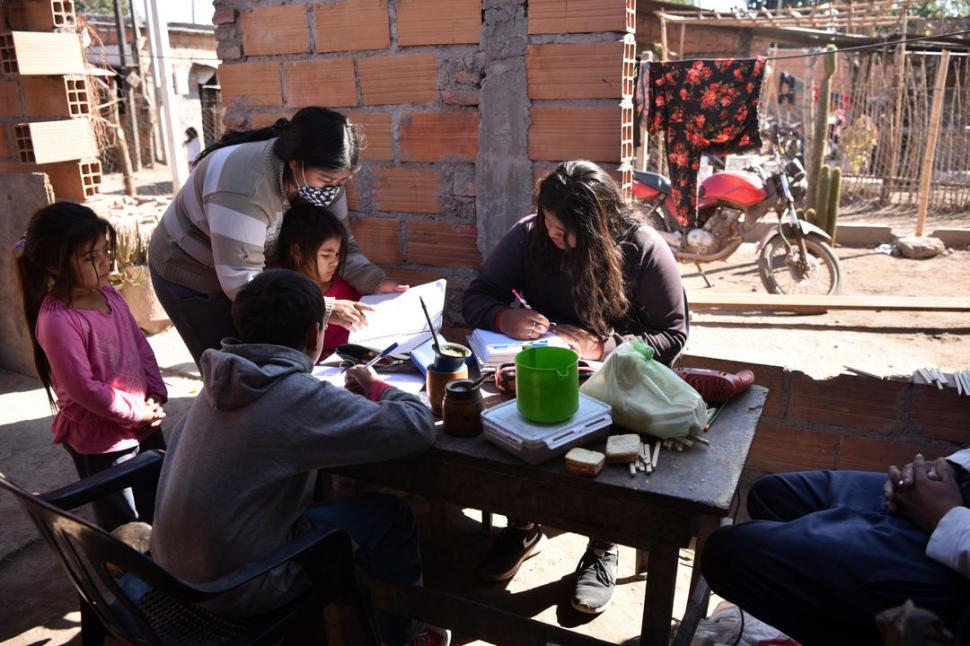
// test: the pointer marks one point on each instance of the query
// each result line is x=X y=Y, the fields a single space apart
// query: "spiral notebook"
x=398 y=317
x=492 y=348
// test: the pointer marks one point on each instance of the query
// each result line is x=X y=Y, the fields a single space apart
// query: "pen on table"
x=386 y=351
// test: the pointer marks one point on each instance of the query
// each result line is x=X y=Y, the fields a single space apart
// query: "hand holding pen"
x=523 y=323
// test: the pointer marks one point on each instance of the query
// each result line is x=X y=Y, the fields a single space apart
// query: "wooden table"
x=686 y=497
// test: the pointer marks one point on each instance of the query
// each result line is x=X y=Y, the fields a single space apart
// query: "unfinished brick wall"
x=848 y=422
x=465 y=103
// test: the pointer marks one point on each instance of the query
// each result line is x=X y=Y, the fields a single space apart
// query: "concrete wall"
x=849 y=421
x=465 y=103
x=20 y=195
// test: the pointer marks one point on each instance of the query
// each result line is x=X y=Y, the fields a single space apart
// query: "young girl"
x=89 y=352
x=313 y=242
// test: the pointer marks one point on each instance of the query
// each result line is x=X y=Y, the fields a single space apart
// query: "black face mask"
x=322 y=196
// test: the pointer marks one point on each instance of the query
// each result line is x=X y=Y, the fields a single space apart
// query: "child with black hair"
x=313 y=242
x=238 y=480
x=89 y=352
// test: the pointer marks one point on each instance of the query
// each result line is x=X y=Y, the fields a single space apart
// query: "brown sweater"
x=658 y=306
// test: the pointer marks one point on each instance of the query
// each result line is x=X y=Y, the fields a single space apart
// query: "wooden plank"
x=56 y=141
x=936 y=112
x=803 y=303
x=40 y=53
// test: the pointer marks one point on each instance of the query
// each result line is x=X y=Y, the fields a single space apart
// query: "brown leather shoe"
x=714 y=386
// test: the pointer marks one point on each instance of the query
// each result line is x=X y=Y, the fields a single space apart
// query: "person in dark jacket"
x=596 y=276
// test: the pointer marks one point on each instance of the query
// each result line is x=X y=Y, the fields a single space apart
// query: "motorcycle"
x=793 y=258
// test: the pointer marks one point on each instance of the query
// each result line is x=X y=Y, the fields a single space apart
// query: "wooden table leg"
x=658 y=605
x=707 y=526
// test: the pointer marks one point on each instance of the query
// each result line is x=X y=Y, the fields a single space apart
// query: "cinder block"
x=779 y=448
x=379 y=238
x=441 y=244
x=579 y=16
x=409 y=190
x=10 y=99
x=54 y=96
x=36 y=53
x=430 y=136
x=940 y=414
x=351 y=25
x=438 y=22
x=45 y=142
x=399 y=79
x=255 y=84
x=771 y=377
x=849 y=401
x=861 y=453
x=74 y=180
x=574 y=132
x=41 y=15
x=320 y=82
x=377 y=133
x=268 y=31
x=575 y=70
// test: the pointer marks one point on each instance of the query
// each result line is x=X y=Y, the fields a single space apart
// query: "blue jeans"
x=202 y=320
x=386 y=539
x=822 y=556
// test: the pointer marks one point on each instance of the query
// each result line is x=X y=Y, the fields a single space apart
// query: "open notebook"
x=494 y=347
x=398 y=317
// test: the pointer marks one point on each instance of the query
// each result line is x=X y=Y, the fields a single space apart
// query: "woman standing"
x=584 y=262
x=211 y=240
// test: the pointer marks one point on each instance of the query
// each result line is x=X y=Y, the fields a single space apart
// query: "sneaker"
x=714 y=386
x=596 y=579
x=508 y=552
x=432 y=636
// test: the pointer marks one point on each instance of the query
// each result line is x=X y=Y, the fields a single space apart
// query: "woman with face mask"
x=211 y=239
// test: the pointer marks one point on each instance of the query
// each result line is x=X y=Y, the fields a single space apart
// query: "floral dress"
x=704 y=107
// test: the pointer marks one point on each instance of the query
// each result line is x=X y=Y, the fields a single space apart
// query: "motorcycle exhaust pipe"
x=686 y=256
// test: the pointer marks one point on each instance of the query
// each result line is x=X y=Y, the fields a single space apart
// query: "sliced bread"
x=623 y=448
x=583 y=462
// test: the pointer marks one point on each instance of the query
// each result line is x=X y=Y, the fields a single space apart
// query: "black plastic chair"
x=127 y=595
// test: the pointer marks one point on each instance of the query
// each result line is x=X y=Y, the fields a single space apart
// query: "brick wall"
x=463 y=103
x=848 y=422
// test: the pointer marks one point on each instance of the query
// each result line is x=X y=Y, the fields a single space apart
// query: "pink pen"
x=518 y=297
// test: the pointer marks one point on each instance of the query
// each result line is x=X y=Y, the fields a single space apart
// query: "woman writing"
x=597 y=277
x=212 y=237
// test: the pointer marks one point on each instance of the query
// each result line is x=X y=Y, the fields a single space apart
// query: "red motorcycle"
x=793 y=258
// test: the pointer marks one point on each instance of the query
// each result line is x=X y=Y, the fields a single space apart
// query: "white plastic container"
x=505 y=427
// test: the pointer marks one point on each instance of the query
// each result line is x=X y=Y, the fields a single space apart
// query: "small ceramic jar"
x=463 y=408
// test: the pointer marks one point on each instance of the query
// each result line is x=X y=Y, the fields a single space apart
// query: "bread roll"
x=583 y=462
x=623 y=448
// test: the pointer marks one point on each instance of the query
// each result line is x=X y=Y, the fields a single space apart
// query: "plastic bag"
x=646 y=396
x=723 y=625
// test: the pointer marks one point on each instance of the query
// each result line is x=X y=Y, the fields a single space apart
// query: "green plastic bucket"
x=547 y=384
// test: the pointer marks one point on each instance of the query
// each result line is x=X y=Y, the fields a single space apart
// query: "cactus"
x=810 y=216
x=835 y=188
x=822 y=196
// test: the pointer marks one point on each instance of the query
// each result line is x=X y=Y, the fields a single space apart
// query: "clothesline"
x=869 y=46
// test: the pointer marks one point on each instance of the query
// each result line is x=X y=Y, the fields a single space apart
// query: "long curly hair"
x=591 y=207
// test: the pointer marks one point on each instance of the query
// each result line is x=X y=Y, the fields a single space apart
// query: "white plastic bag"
x=646 y=396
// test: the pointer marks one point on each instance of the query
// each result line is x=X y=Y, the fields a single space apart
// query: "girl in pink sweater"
x=99 y=371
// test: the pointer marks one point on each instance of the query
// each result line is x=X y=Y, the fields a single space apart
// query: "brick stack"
x=435 y=193
x=45 y=102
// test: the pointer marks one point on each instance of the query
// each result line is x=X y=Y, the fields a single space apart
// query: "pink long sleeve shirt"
x=102 y=369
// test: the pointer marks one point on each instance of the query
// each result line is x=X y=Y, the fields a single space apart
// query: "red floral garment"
x=703 y=106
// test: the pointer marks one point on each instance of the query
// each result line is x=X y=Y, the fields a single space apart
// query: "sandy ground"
x=38 y=604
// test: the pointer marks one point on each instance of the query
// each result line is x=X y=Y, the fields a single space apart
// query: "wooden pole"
x=888 y=182
x=122 y=150
x=663 y=38
x=936 y=112
x=680 y=50
x=130 y=107
x=643 y=152
x=820 y=138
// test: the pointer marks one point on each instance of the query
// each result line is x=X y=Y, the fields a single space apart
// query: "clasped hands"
x=923 y=491
x=529 y=324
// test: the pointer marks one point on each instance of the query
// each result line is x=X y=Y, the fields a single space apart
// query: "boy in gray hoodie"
x=239 y=474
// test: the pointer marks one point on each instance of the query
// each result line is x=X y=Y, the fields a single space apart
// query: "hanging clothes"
x=703 y=106
x=641 y=95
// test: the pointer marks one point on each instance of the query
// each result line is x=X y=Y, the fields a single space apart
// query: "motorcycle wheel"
x=782 y=273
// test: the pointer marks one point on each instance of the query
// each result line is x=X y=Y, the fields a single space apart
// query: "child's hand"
x=157 y=398
x=359 y=379
x=154 y=414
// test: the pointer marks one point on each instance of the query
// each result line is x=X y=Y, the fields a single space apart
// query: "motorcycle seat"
x=656 y=181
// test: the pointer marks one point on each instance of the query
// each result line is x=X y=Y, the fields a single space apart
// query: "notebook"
x=492 y=348
x=398 y=317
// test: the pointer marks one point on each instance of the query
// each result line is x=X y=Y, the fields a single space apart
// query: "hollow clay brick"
x=430 y=136
x=575 y=132
x=780 y=448
x=377 y=133
x=411 y=190
x=268 y=31
x=575 y=70
x=577 y=16
x=351 y=25
x=379 y=238
x=398 y=79
x=320 y=82
x=438 y=22
x=256 y=84
x=441 y=244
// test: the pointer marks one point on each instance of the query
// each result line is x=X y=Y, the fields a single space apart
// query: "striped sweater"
x=213 y=235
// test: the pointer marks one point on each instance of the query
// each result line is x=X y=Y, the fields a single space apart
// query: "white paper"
x=399 y=317
x=409 y=382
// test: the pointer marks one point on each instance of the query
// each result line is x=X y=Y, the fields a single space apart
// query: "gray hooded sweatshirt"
x=241 y=465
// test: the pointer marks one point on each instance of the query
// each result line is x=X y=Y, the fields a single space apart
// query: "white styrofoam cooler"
x=505 y=427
